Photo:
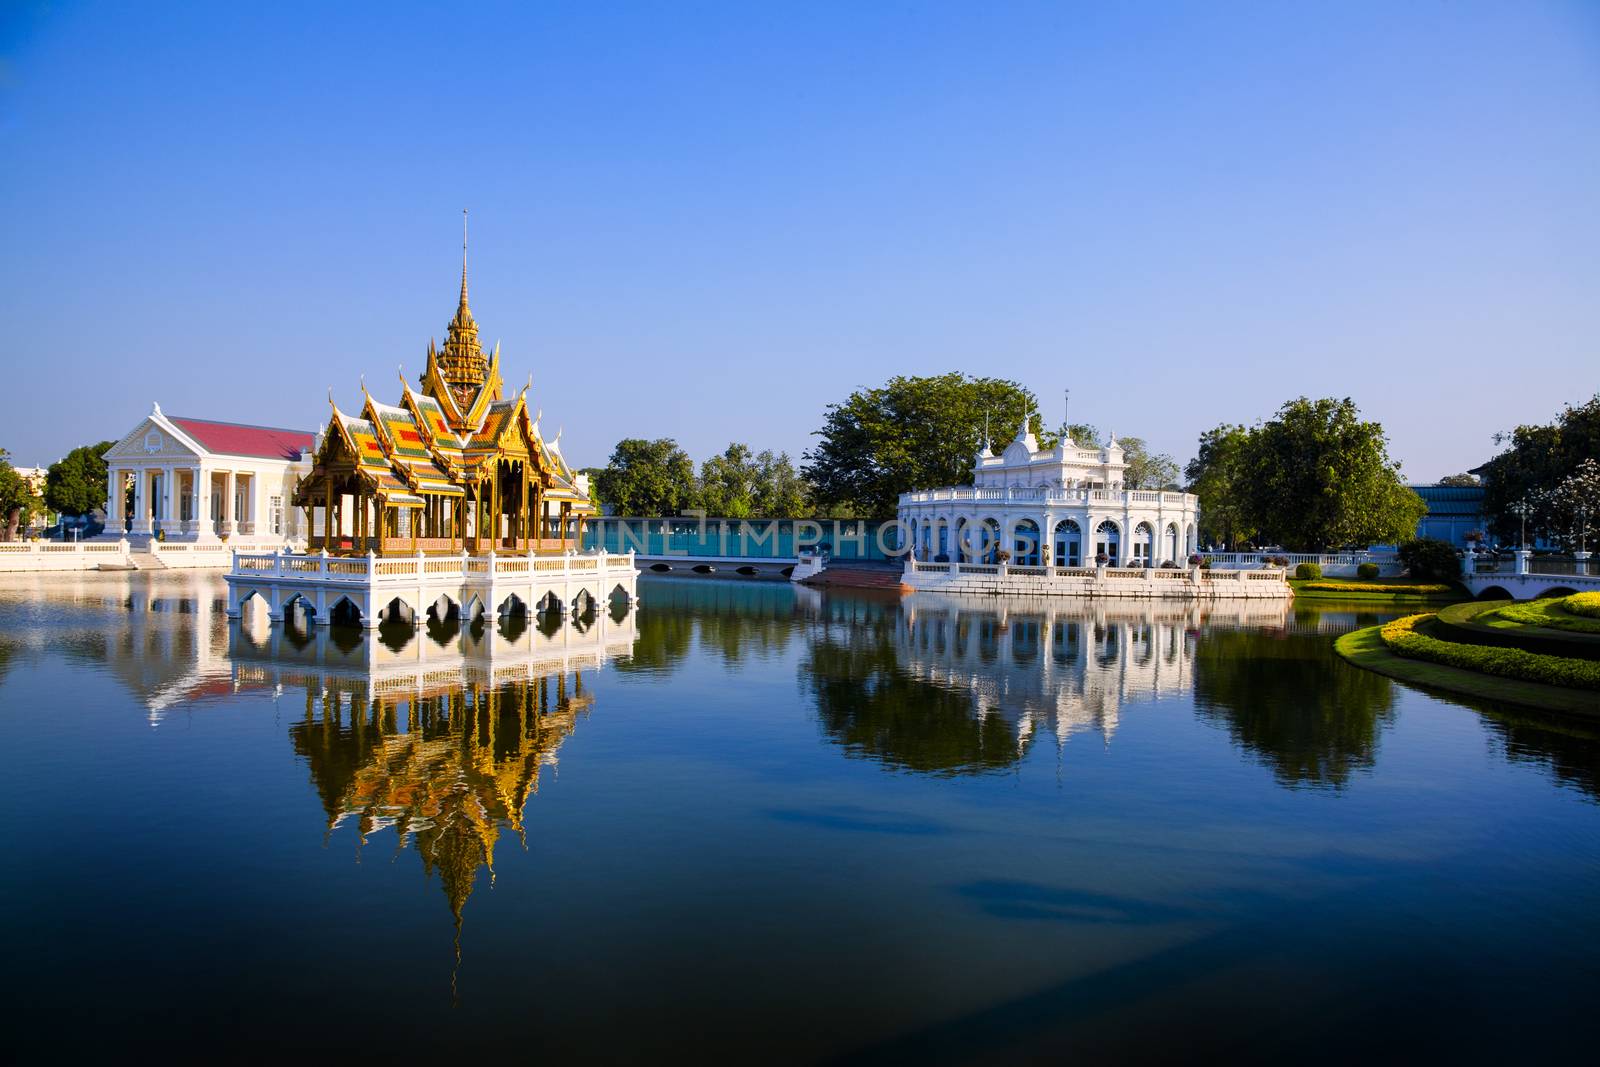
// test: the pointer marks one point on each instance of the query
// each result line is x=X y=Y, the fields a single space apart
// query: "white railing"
x=1116 y=574
x=379 y=570
x=60 y=556
x=1034 y=495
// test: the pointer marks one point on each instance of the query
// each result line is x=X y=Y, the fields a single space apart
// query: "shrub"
x=1002 y=556
x=1169 y=565
x=1587 y=604
x=1308 y=571
x=1430 y=559
x=1194 y=559
x=1366 y=571
x=1402 y=638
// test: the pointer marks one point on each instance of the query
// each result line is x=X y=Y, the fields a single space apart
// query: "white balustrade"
x=1039 y=495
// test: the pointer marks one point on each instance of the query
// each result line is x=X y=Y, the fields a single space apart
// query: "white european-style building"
x=203 y=480
x=1054 y=507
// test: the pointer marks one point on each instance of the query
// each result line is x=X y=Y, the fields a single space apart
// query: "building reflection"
x=441 y=738
x=447 y=766
x=947 y=684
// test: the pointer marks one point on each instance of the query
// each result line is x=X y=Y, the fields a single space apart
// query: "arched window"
x=1025 y=543
x=1108 y=542
x=1068 y=541
x=1144 y=544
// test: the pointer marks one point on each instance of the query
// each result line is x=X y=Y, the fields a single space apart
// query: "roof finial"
x=463 y=257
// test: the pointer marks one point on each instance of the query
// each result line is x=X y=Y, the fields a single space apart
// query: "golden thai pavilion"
x=456 y=467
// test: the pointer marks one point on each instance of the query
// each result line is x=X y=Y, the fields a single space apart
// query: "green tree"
x=728 y=483
x=1083 y=435
x=1318 y=476
x=1216 y=476
x=741 y=484
x=1146 y=469
x=76 y=483
x=909 y=434
x=17 y=499
x=1539 y=458
x=648 y=478
x=1460 y=480
x=781 y=492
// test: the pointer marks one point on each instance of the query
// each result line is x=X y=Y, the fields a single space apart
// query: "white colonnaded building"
x=1061 y=521
x=206 y=481
x=1063 y=507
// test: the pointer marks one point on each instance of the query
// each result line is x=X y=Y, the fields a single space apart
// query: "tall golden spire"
x=462 y=363
x=462 y=310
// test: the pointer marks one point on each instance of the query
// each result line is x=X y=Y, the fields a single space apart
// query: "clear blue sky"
x=708 y=221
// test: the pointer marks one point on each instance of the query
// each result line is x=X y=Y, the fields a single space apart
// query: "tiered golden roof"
x=466 y=464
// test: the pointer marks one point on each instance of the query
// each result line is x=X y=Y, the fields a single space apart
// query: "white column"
x=202 y=504
x=169 y=500
x=114 y=503
x=141 y=501
x=196 y=515
x=227 y=502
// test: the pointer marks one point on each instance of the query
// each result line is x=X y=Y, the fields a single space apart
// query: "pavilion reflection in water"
x=442 y=737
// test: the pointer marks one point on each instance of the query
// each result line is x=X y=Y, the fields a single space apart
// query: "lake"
x=745 y=821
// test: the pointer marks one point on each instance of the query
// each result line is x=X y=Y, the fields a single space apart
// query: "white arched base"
x=475 y=586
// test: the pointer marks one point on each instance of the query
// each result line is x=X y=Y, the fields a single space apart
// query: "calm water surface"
x=749 y=822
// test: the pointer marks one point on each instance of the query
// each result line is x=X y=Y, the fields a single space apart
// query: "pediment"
x=1017 y=452
x=150 y=440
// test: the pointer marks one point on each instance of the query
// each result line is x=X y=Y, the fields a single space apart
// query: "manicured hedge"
x=1403 y=639
x=1553 y=614
x=1308 y=570
x=1587 y=604
x=1376 y=587
x=1367 y=571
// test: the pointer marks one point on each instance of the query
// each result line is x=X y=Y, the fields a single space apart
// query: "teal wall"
x=749 y=538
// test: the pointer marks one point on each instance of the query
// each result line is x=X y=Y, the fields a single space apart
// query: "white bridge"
x=371 y=589
x=1528 y=577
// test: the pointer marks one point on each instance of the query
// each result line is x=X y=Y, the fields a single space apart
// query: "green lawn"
x=1365 y=648
x=1548 y=614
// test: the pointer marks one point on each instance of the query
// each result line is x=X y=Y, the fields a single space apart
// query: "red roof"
x=236 y=439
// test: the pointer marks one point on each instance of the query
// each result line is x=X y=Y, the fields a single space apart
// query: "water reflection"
x=733 y=621
x=441 y=737
x=446 y=766
x=826 y=789
x=951 y=685
x=1287 y=699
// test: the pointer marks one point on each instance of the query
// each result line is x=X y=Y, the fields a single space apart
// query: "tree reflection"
x=1287 y=698
x=874 y=710
x=1569 y=749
